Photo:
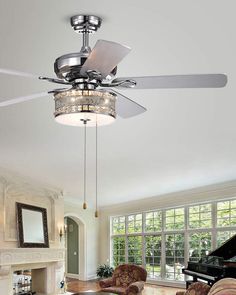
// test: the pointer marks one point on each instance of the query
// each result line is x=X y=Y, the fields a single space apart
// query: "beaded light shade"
x=73 y=107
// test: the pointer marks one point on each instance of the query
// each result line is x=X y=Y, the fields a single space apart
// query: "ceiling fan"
x=91 y=96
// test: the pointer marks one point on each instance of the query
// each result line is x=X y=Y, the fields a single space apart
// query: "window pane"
x=223 y=236
x=153 y=221
x=135 y=223
x=135 y=250
x=118 y=251
x=118 y=225
x=199 y=245
x=200 y=216
x=226 y=213
x=174 y=219
x=174 y=244
x=153 y=256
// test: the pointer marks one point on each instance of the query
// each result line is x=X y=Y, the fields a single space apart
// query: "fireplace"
x=42 y=270
x=22 y=282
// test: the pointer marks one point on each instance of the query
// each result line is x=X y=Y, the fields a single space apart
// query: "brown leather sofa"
x=127 y=279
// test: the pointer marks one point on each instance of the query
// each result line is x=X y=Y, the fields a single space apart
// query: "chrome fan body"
x=91 y=74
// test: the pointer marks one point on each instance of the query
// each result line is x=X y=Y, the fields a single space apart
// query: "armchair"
x=127 y=279
x=197 y=288
x=226 y=286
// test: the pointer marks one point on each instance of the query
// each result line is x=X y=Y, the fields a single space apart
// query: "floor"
x=74 y=286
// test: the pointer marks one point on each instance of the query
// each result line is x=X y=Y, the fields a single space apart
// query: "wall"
x=15 y=188
x=89 y=238
x=208 y=193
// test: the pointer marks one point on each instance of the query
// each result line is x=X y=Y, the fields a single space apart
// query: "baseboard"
x=79 y=277
x=92 y=277
x=73 y=276
x=167 y=283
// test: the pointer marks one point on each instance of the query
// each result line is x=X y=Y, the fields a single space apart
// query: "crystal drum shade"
x=73 y=107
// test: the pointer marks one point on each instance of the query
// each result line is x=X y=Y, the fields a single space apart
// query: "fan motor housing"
x=68 y=66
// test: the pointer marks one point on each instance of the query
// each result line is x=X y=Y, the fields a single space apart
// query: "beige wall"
x=214 y=192
x=89 y=238
x=15 y=188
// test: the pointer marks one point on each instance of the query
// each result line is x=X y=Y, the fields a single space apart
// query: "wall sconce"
x=62 y=232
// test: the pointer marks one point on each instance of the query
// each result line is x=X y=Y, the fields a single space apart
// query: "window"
x=199 y=245
x=164 y=240
x=153 y=255
x=135 y=223
x=118 y=250
x=226 y=213
x=135 y=250
x=174 y=245
x=153 y=221
x=118 y=225
x=175 y=218
x=200 y=216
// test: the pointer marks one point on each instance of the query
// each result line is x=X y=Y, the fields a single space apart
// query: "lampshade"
x=74 y=106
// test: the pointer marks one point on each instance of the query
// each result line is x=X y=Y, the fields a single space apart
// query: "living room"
x=157 y=187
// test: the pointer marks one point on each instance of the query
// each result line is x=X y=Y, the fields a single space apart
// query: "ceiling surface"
x=186 y=139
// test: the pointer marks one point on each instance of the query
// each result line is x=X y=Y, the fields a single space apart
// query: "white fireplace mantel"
x=51 y=259
x=30 y=255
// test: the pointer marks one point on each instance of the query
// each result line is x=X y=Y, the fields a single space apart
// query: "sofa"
x=225 y=286
x=127 y=279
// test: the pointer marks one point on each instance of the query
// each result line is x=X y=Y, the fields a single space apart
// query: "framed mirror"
x=32 y=226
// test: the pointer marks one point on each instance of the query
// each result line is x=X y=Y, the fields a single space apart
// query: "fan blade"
x=126 y=108
x=175 y=81
x=22 y=99
x=104 y=57
x=18 y=73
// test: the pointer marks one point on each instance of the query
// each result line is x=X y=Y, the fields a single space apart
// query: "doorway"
x=72 y=246
x=75 y=244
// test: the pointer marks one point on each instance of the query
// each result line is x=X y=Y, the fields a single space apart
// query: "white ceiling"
x=187 y=138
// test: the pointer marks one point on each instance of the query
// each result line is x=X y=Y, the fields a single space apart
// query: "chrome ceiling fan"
x=91 y=96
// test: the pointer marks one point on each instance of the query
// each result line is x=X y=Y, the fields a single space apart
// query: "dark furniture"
x=220 y=263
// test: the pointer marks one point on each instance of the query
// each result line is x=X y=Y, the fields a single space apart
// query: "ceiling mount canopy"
x=82 y=23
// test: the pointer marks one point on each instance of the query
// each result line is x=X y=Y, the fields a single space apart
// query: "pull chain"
x=85 y=155
x=96 y=212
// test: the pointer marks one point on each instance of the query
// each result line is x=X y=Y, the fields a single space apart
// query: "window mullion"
x=143 y=241
x=126 y=239
x=214 y=225
x=163 y=247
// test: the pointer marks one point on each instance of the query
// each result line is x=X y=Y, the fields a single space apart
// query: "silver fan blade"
x=104 y=57
x=18 y=73
x=22 y=99
x=125 y=107
x=175 y=81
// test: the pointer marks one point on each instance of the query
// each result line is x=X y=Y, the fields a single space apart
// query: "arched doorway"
x=75 y=244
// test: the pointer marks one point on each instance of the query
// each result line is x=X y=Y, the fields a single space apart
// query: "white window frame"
x=187 y=231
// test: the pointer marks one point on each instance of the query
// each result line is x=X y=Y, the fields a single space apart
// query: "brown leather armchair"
x=127 y=279
x=197 y=288
x=226 y=286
